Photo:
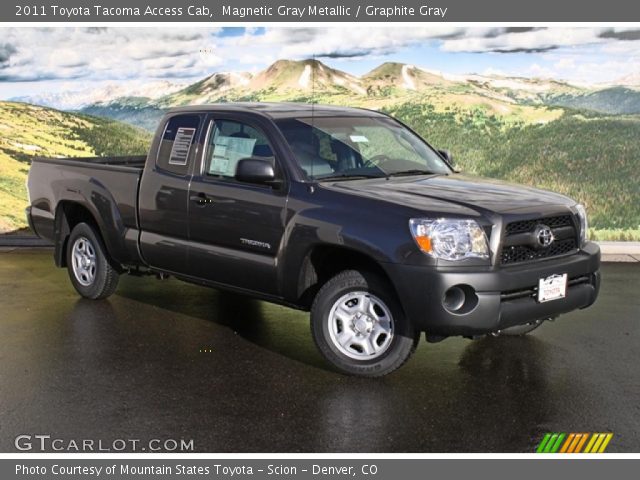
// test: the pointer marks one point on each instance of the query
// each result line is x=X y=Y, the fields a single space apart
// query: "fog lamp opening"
x=460 y=299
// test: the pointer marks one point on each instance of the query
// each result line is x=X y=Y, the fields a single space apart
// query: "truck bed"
x=106 y=186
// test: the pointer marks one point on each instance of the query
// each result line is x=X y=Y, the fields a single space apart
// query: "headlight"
x=450 y=239
x=584 y=223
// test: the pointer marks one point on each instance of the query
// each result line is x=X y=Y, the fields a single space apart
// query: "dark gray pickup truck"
x=343 y=212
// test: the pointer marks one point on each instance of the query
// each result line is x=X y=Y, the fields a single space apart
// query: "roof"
x=280 y=110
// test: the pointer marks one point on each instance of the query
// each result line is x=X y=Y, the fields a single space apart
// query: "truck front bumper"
x=495 y=298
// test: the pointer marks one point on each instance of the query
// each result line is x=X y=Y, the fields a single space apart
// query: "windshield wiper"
x=349 y=176
x=414 y=171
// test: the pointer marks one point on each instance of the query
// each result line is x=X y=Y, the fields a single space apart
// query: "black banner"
x=312 y=469
x=266 y=11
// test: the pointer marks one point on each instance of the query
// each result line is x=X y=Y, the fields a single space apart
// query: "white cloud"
x=532 y=40
x=358 y=41
x=565 y=63
x=113 y=53
x=100 y=54
x=536 y=70
x=355 y=41
x=494 y=71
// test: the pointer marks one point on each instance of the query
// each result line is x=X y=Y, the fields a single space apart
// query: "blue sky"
x=54 y=60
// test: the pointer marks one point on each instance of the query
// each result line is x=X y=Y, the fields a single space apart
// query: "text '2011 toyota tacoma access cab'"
x=343 y=212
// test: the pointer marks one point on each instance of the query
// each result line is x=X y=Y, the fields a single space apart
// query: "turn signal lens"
x=584 y=223
x=424 y=243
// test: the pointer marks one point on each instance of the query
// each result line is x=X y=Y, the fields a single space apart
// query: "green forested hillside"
x=616 y=100
x=29 y=130
x=592 y=158
x=143 y=116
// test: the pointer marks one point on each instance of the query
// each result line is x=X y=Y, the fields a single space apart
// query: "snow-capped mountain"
x=102 y=95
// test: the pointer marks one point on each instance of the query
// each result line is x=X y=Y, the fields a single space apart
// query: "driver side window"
x=229 y=142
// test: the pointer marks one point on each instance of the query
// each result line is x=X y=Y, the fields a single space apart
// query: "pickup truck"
x=343 y=212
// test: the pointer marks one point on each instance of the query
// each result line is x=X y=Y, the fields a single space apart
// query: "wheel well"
x=68 y=215
x=324 y=262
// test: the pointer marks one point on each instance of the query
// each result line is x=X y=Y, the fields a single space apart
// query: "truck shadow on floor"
x=279 y=329
x=286 y=331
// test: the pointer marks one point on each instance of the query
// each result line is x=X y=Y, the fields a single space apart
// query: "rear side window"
x=177 y=146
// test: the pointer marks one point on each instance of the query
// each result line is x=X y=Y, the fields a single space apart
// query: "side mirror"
x=255 y=170
x=448 y=156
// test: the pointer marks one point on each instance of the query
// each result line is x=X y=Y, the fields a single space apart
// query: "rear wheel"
x=359 y=327
x=89 y=269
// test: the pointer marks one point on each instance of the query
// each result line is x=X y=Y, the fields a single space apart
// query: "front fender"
x=383 y=237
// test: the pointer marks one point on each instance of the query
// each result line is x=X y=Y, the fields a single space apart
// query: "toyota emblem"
x=544 y=236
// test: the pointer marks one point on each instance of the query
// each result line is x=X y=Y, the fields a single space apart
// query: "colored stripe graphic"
x=569 y=444
x=598 y=443
x=574 y=443
x=581 y=443
x=543 y=443
x=590 y=444
x=553 y=443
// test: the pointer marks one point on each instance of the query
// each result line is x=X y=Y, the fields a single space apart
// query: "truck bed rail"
x=130 y=162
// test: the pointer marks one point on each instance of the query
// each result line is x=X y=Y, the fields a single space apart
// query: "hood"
x=441 y=192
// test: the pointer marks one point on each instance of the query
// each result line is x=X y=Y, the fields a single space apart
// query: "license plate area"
x=553 y=287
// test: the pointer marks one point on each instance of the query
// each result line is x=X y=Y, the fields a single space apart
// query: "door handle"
x=201 y=199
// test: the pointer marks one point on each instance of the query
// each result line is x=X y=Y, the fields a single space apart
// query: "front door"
x=235 y=228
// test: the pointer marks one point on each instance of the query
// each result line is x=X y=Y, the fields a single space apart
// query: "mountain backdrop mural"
x=580 y=140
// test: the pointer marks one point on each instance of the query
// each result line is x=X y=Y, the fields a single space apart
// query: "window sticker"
x=359 y=138
x=181 y=146
x=227 y=151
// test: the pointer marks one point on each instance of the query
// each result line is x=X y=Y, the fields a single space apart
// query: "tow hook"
x=497 y=333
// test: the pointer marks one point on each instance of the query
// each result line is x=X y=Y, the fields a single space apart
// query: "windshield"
x=333 y=147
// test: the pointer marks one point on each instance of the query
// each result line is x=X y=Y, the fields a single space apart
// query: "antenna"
x=313 y=82
x=313 y=102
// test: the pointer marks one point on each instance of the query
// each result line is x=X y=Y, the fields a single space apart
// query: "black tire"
x=399 y=345
x=96 y=279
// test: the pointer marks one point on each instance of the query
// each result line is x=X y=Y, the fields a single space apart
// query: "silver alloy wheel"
x=360 y=326
x=84 y=263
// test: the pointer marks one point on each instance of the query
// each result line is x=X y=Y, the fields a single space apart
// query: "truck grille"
x=520 y=244
x=523 y=226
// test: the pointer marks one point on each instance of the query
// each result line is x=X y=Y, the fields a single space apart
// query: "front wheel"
x=359 y=327
x=89 y=269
